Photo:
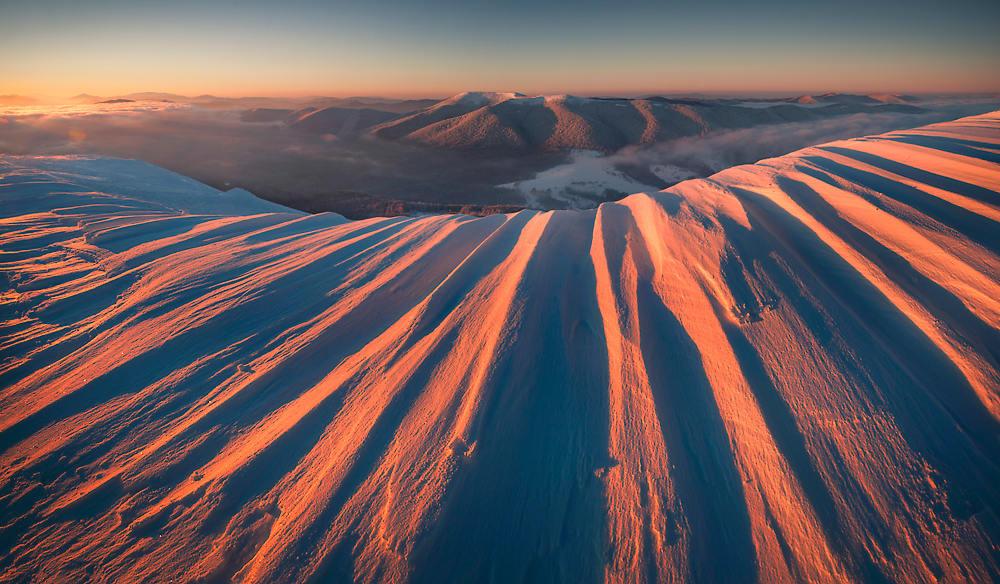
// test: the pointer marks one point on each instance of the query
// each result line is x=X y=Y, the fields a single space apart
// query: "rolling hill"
x=509 y=123
x=517 y=123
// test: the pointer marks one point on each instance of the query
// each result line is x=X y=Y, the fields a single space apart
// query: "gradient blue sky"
x=441 y=47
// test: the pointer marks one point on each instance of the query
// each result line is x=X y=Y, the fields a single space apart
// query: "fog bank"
x=314 y=172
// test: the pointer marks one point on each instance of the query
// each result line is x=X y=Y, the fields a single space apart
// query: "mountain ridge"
x=517 y=123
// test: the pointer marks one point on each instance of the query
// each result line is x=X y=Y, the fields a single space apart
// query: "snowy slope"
x=35 y=183
x=785 y=373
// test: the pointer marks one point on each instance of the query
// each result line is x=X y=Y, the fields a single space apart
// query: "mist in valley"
x=360 y=175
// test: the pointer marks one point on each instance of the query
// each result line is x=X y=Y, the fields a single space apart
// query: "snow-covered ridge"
x=480 y=98
x=510 y=122
x=131 y=182
x=785 y=373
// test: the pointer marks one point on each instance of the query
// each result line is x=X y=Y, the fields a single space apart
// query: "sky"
x=436 y=48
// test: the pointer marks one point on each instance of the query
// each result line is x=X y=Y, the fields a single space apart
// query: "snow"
x=135 y=182
x=786 y=372
x=578 y=184
x=770 y=104
x=671 y=173
x=479 y=98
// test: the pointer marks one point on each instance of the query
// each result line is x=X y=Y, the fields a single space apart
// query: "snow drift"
x=785 y=373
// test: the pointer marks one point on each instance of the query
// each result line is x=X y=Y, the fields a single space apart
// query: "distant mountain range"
x=512 y=122
x=870 y=99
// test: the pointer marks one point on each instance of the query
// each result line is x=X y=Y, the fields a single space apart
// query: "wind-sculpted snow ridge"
x=785 y=373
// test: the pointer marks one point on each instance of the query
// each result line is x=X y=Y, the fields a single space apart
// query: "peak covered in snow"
x=847 y=98
x=480 y=98
x=514 y=123
x=511 y=122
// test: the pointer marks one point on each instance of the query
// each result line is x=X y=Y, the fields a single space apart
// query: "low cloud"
x=211 y=145
x=271 y=160
x=704 y=155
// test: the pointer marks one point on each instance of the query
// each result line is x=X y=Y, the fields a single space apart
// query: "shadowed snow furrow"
x=786 y=373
